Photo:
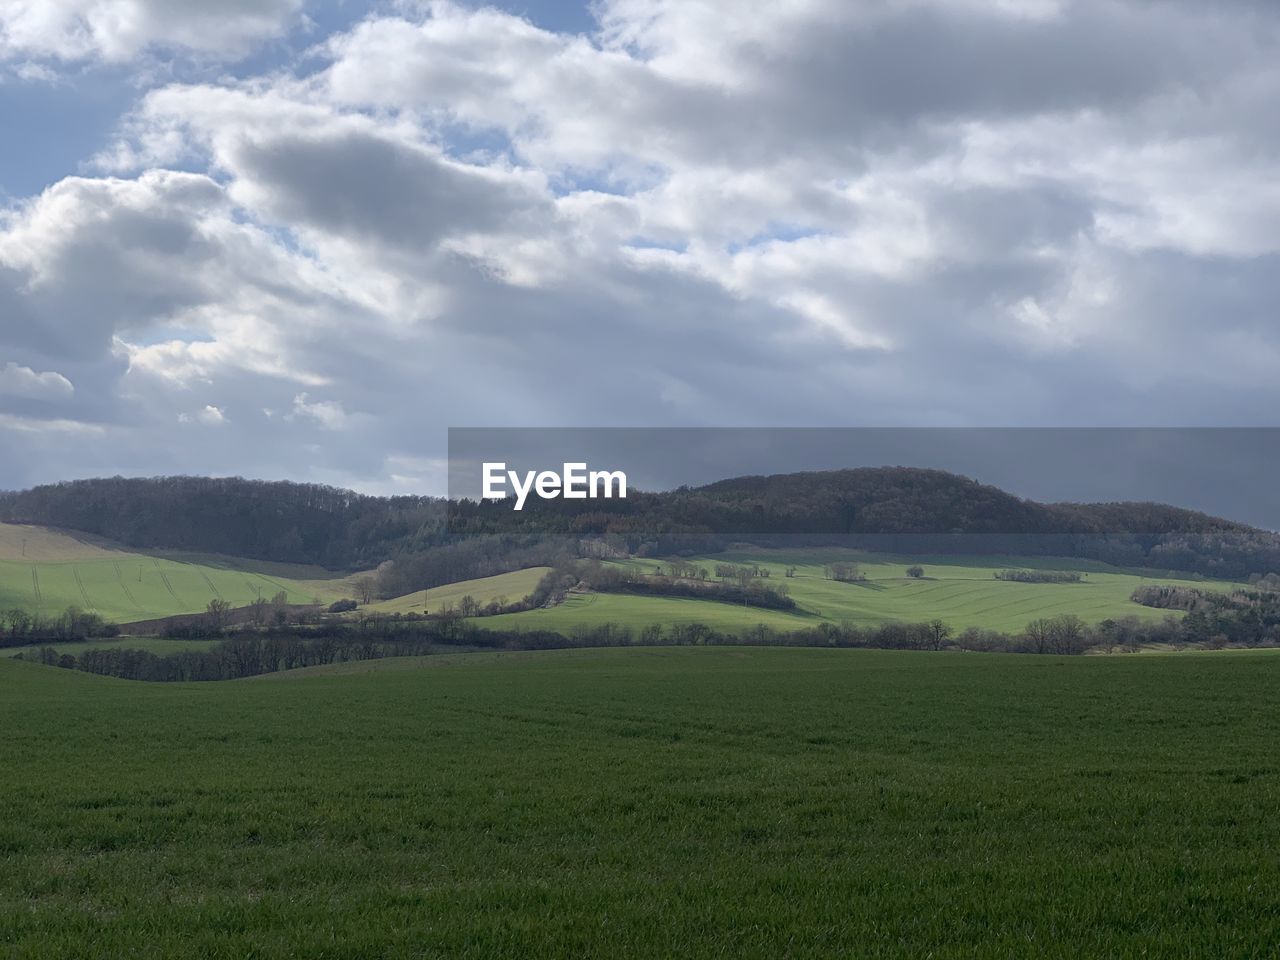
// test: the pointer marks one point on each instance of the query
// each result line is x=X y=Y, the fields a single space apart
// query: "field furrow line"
x=210 y=584
x=84 y=594
x=125 y=587
x=164 y=578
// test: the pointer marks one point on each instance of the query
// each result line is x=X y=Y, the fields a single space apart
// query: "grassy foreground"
x=690 y=802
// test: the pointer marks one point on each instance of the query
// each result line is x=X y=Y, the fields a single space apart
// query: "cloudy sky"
x=295 y=239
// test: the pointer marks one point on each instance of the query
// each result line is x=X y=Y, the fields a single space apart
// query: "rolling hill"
x=342 y=530
x=961 y=591
x=174 y=537
x=45 y=571
x=505 y=586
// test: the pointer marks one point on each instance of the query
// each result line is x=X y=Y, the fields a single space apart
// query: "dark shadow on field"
x=864 y=584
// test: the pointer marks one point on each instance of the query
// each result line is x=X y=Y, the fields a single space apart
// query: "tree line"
x=20 y=628
x=740 y=584
x=250 y=653
x=1216 y=618
x=1039 y=576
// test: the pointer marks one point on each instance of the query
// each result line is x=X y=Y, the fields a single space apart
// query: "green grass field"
x=958 y=590
x=513 y=586
x=691 y=802
x=46 y=571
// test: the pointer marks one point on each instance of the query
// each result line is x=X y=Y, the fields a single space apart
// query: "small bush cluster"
x=1039 y=576
x=744 y=585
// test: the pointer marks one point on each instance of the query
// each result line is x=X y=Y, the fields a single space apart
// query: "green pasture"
x=45 y=571
x=648 y=802
x=136 y=587
x=512 y=586
x=961 y=591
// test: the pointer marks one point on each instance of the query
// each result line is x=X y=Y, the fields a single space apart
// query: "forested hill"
x=867 y=500
x=900 y=509
x=292 y=522
x=887 y=500
x=339 y=529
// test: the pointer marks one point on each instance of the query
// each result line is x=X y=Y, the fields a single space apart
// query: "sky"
x=300 y=240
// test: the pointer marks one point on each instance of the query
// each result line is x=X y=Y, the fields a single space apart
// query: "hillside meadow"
x=45 y=571
x=693 y=802
x=961 y=591
x=506 y=586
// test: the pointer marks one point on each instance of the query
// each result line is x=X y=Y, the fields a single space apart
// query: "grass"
x=958 y=590
x=585 y=609
x=46 y=571
x=513 y=586
x=697 y=802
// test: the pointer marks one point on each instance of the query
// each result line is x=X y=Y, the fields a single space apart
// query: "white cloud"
x=39 y=426
x=327 y=413
x=117 y=30
x=22 y=381
x=211 y=415
x=803 y=212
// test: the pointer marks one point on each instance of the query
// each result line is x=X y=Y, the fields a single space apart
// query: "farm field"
x=958 y=590
x=513 y=586
x=693 y=802
x=46 y=571
x=588 y=609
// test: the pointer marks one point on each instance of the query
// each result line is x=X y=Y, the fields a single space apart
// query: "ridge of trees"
x=1215 y=617
x=20 y=627
x=429 y=542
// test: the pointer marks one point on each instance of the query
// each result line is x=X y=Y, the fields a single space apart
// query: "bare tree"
x=217 y=614
x=280 y=608
x=843 y=571
x=366 y=589
x=939 y=633
x=1037 y=634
